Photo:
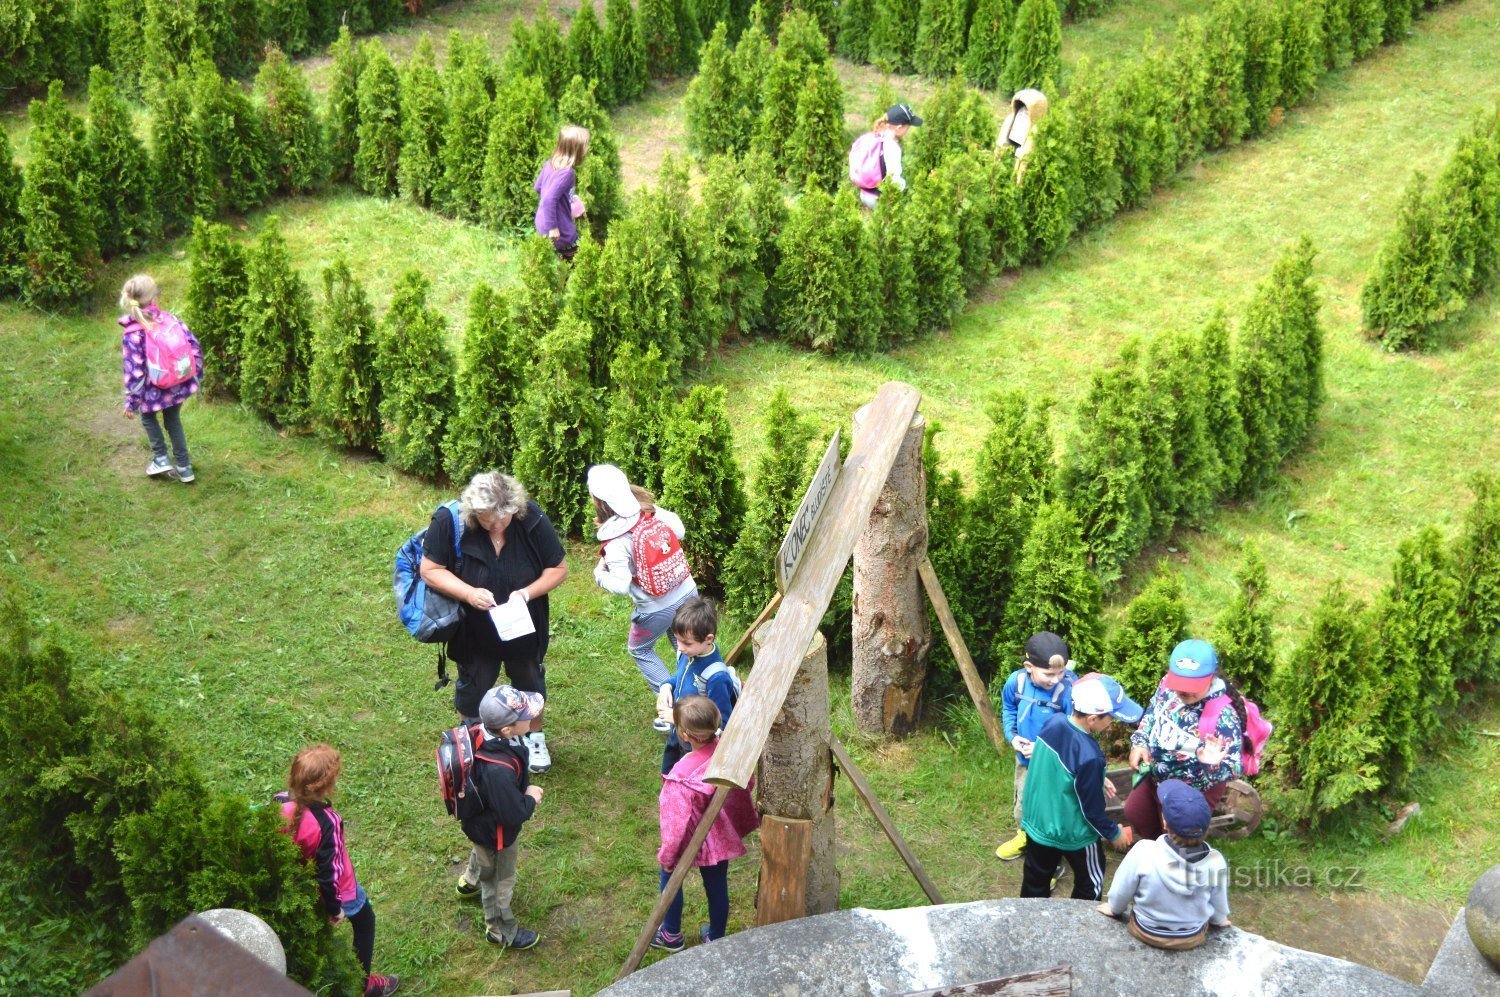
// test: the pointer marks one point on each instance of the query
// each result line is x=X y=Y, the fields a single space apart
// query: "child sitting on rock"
x=1175 y=886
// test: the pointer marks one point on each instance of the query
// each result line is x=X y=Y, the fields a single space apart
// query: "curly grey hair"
x=492 y=491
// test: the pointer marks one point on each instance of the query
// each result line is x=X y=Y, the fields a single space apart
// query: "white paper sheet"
x=512 y=619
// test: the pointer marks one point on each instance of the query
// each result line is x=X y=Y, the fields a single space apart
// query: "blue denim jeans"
x=716 y=886
x=171 y=418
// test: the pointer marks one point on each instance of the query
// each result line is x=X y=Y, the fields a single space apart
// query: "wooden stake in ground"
x=794 y=788
x=892 y=635
x=861 y=787
x=956 y=643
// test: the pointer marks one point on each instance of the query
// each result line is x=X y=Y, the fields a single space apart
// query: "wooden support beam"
x=850 y=502
x=861 y=787
x=679 y=873
x=975 y=685
x=744 y=641
x=786 y=845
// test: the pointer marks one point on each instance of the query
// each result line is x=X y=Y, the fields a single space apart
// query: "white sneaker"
x=541 y=758
x=661 y=726
x=158 y=466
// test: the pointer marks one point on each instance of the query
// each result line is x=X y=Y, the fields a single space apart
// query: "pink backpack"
x=660 y=565
x=1257 y=730
x=169 y=351
x=867 y=161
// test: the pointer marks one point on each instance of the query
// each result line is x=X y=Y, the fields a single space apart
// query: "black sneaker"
x=665 y=942
x=525 y=939
x=466 y=890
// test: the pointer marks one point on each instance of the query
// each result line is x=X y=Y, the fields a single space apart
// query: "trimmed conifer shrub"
x=294 y=135
x=638 y=412
x=217 y=285
x=424 y=119
x=59 y=206
x=379 y=155
x=416 y=379
x=1257 y=383
x=1045 y=193
x=856 y=21
x=689 y=35
x=989 y=34
x=537 y=297
x=1477 y=563
x=892 y=32
x=343 y=383
x=234 y=171
x=1053 y=588
x=661 y=211
x=1186 y=488
x=522 y=132
x=731 y=248
x=176 y=157
x=1007 y=232
x=173 y=32
x=466 y=135
x=753 y=57
x=892 y=246
x=1153 y=623
x=552 y=59
x=1224 y=424
x=12 y=227
x=289 y=24
x=121 y=171
x=1242 y=631
x=556 y=425
x=637 y=296
x=1467 y=192
x=1263 y=58
x=599 y=183
x=936 y=259
x=627 y=49
x=801 y=46
x=955 y=119
x=711 y=128
x=768 y=210
x=1034 y=49
x=818 y=288
x=491 y=366
x=659 y=31
x=589 y=48
x=816 y=152
x=277 y=331
x=699 y=475
x=343 y=104
x=1298 y=25
x=1143 y=101
x=941 y=25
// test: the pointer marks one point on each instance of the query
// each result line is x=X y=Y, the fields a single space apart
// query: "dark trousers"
x=671 y=754
x=171 y=418
x=716 y=886
x=1143 y=809
x=1042 y=864
x=363 y=924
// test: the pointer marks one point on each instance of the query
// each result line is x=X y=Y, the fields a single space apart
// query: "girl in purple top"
x=139 y=300
x=556 y=186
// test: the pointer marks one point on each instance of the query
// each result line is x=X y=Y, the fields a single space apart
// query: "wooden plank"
x=803 y=604
x=785 y=854
x=805 y=519
x=975 y=685
x=862 y=788
x=744 y=641
x=1056 y=982
x=695 y=844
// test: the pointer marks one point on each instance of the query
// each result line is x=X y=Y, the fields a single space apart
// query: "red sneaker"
x=381 y=986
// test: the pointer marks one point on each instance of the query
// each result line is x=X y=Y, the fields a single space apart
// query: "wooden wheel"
x=1237 y=816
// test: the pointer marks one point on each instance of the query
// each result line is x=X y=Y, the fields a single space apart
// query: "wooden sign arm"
x=862 y=788
x=977 y=691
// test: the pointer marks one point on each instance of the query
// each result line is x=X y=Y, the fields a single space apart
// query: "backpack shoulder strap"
x=458 y=526
x=1213 y=708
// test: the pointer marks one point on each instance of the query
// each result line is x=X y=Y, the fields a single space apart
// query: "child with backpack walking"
x=640 y=555
x=683 y=802
x=876 y=155
x=318 y=831
x=558 y=203
x=162 y=366
x=1196 y=729
x=700 y=671
x=1033 y=694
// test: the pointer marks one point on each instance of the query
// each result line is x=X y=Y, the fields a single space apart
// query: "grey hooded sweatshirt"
x=1175 y=892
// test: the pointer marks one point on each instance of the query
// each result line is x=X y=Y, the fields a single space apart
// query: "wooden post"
x=794 y=786
x=977 y=691
x=865 y=793
x=892 y=635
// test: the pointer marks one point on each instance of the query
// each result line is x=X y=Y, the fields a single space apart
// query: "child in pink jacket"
x=684 y=799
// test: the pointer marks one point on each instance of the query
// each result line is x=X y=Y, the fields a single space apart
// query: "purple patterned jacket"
x=140 y=394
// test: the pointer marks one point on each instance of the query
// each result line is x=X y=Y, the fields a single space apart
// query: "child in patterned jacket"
x=149 y=390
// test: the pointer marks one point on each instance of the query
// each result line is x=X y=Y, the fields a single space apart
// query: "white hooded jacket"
x=615 y=571
x=1175 y=895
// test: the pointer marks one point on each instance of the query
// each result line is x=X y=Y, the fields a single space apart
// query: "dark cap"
x=1043 y=647
x=1184 y=810
x=902 y=114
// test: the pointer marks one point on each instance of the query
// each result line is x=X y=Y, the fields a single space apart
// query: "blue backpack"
x=428 y=615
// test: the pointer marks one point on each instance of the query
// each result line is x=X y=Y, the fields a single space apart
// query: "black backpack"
x=455 y=770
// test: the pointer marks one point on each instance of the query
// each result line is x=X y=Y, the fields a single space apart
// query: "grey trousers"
x=171 y=418
x=495 y=872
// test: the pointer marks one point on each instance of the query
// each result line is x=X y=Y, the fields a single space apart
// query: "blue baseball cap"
x=1097 y=694
x=1184 y=810
x=1191 y=667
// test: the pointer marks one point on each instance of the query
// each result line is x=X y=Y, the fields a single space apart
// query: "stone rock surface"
x=250 y=933
x=859 y=952
x=1459 y=969
x=1482 y=915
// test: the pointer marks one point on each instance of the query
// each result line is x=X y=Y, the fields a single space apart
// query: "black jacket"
x=501 y=774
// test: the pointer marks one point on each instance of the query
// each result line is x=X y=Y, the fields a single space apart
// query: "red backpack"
x=455 y=769
x=660 y=565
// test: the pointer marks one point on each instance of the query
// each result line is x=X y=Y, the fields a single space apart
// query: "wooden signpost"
x=806 y=519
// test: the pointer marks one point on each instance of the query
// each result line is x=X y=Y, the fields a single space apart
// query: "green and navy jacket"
x=1062 y=805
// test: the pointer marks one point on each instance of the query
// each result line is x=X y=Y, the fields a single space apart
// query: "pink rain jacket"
x=684 y=798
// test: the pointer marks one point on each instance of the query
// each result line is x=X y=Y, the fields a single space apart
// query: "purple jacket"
x=140 y=394
x=554 y=209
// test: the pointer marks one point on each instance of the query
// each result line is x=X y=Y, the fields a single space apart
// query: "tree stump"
x=794 y=787
x=892 y=634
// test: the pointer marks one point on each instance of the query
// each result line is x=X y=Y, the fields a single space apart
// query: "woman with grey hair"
x=506 y=549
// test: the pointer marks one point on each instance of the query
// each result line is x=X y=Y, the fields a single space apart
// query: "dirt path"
x=1395 y=937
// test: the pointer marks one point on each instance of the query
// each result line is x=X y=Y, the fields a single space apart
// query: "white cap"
x=609 y=485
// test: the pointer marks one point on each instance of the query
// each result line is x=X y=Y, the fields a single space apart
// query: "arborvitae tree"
x=324 y=19
x=1053 y=589
x=553 y=60
x=1223 y=423
x=123 y=40
x=379 y=155
x=297 y=154
x=537 y=297
x=1104 y=475
x=940 y=37
x=954 y=120
x=818 y=283
x=1219 y=79
x=731 y=247
x=780 y=476
x=638 y=295
x=587 y=299
x=1034 y=50
x=599 y=183
x=1176 y=376
x=892 y=32
x=816 y=151
x=1366 y=26
x=1143 y=103
x=59 y=205
x=1301 y=35
x=121 y=170
x=856 y=21
x=343 y=104
x=708 y=14
x=636 y=418
x=689 y=35
x=801 y=47
x=216 y=291
x=235 y=170
x=1477 y=564
x=1288 y=306
x=557 y=431
x=289 y=26
x=277 y=333
x=176 y=156
x=699 y=474
x=1046 y=190
x=753 y=57
x=769 y=211
x=465 y=138
x=1329 y=741
x=236 y=31
x=589 y=48
x=1008 y=242
x=935 y=253
x=989 y=33
x=896 y=288
x=343 y=383
x=1397 y=20
x=659 y=30
x=1263 y=59
x=173 y=32
x=1337 y=33
x=660 y=211
x=1467 y=195
x=490 y=369
x=711 y=127
x=416 y=379
x=1153 y=623
x=12 y=225
x=976 y=217
x=522 y=132
x=424 y=120
x=1258 y=386
x=627 y=49
x=1242 y=632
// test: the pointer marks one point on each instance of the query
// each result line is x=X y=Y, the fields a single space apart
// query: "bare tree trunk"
x=892 y=635
x=794 y=784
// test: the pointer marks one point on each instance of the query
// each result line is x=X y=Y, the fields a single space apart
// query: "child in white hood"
x=1174 y=886
x=640 y=555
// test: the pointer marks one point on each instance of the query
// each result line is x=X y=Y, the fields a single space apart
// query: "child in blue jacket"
x=700 y=672
x=1039 y=690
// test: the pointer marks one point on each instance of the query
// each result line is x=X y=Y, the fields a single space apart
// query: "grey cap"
x=505 y=705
